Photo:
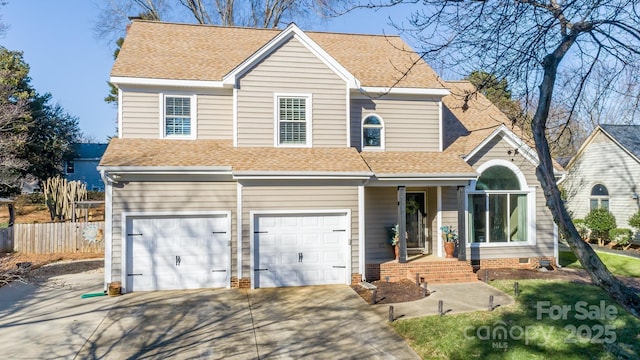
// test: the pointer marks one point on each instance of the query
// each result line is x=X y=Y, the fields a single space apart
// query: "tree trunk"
x=590 y=261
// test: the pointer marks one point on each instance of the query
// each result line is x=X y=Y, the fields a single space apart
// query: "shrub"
x=600 y=221
x=582 y=228
x=620 y=236
x=95 y=195
x=634 y=220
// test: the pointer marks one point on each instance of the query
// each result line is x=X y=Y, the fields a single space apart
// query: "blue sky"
x=68 y=61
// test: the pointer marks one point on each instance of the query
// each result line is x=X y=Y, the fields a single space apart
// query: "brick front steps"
x=441 y=271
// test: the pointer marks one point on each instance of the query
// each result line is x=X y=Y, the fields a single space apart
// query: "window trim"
x=308 y=119
x=193 y=109
x=382 y=133
x=530 y=191
x=599 y=198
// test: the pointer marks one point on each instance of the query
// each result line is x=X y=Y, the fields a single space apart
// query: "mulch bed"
x=407 y=290
x=391 y=292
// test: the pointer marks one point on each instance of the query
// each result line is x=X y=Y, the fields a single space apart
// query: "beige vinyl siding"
x=410 y=124
x=381 y=209
x=292 y=69
x=215 y=117
x=170 y=196
x=449 y=207
x=140 y=115
x=432 y=218
x=497 y=149
x=603 y=162
x=298 y=197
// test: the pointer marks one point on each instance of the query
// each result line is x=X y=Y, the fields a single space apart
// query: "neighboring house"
x=605 y=173
x=262 y=157
x=83 y=166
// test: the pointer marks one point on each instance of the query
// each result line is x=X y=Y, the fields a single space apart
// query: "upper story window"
x=293 y=117
x=178 y=117
x=372 y=132
x=599 y=197
x=498 y=208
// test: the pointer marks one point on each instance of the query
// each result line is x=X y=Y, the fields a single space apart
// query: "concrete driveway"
x=51 y=321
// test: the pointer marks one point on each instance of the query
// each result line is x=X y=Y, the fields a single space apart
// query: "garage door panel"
x=289 y=258
x=320 y=238
x=288 y=239
x=177 y=252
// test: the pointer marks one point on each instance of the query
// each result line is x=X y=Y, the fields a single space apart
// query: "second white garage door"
x=177 y=252
x=297 y=250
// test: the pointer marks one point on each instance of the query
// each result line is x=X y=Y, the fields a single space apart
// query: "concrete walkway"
x=51 y=321
x=457 y=298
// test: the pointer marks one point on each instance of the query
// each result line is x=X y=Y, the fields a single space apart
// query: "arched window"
x=372 y=132
x=498 y=207
x=599 y=197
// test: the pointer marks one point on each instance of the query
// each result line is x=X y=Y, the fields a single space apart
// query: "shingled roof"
x=469 y=118
x=627 y=135
x=157 y=50
x=123 y=153
x=417 y=164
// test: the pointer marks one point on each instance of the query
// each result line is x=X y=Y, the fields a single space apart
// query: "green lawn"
x=514 y=332
x=617 y=264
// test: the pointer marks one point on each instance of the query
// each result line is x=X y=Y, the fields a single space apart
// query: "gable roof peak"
x=182 y=52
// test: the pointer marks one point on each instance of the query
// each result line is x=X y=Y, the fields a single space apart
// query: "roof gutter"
x=423 y=177
x=164 y=170
x=201 y=84
x=404 y=91
x=291 y=175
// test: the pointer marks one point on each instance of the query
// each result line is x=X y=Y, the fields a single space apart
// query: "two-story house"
x=263 y=157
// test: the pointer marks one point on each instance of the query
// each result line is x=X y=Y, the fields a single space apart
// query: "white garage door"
x=171 y=253
x=297 y=250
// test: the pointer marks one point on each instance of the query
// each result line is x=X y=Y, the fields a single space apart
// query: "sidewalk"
x=457 y=298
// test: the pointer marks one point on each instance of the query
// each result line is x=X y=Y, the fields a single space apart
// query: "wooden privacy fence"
x=50 y=238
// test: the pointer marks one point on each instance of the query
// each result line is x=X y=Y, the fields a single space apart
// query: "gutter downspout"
x=108 y=226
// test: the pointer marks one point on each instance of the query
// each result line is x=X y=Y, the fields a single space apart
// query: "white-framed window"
x=178 y=116
x=500 y=207
x=599 y=197
x=372 y=132
x=292 y=120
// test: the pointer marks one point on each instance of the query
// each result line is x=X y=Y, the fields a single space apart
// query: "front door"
x=416 y=221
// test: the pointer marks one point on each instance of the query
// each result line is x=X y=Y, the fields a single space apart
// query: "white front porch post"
x=462 y=230
x=402 y=223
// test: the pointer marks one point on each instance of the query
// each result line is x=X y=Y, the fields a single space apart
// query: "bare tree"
x=251 y=13
x=531 y=43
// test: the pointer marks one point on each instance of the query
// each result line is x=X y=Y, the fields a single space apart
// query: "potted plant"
x=393 y=238
x=450 y=237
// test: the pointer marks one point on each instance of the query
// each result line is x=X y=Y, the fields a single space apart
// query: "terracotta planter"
x=449 y=248
x=396 y=249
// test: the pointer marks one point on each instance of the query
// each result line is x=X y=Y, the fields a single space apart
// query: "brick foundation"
x=445 y=271
x=518 y=263
x=356 y=279
x=243 y=283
